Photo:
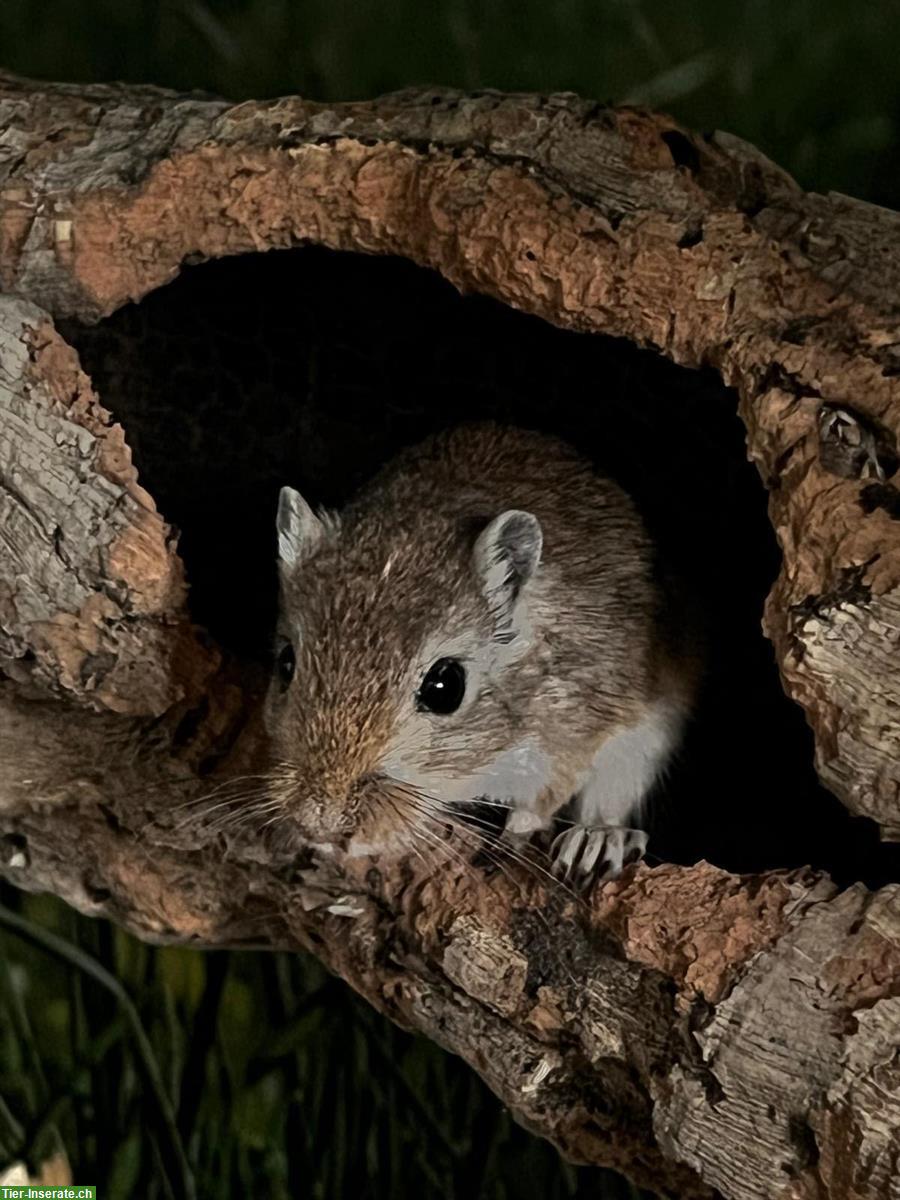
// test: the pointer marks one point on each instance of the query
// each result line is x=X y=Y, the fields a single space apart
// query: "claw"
x=590 y=854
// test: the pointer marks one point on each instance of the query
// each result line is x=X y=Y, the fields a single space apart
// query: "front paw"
x=581 y=855
x=522 y=824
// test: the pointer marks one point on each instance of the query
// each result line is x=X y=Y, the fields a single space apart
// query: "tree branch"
x=697 y=1030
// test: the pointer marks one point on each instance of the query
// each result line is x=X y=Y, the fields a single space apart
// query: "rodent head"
x=406 y=658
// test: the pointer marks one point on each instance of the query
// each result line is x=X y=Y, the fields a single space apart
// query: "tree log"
x=696 y=1030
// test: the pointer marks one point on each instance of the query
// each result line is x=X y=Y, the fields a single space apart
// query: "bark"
x=694 y=1029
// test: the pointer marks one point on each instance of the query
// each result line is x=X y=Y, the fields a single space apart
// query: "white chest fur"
x=627 y=765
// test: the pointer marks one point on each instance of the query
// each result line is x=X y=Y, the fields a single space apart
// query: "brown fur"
x=596 y=657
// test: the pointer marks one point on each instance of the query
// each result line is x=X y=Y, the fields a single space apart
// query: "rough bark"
x=697 y=1030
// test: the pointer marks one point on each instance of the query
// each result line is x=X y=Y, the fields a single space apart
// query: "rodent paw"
x=582 y=855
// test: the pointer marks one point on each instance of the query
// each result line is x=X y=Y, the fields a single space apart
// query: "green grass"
x=172 y=1073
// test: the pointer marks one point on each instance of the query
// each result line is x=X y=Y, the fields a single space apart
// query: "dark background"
x=282 y=1084
x=814 y=83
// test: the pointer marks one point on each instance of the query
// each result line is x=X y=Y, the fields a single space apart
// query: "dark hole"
x=881 y=495
x=312 y=368
x=110 y=818
x=190 y=723
x=804 y=1139
x=692 y=237
x=683 y=151
x=96 y=892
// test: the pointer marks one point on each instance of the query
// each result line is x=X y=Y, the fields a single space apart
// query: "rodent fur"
x=578 y=681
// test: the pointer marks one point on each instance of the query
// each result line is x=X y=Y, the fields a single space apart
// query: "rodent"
x=485 y=619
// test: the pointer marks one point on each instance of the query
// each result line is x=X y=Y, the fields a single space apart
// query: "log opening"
x=313 y=367
x=643 y=1038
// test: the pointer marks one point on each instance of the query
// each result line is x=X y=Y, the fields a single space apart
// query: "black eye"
x=443 y=687
x=285 y=664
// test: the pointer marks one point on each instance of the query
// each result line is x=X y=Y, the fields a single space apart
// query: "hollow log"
x=700 y=1031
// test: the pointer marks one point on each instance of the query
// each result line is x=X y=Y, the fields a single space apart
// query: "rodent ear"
x=507 y=554
x=299 y=529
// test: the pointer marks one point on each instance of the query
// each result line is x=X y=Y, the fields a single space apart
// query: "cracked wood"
x=696 y=1030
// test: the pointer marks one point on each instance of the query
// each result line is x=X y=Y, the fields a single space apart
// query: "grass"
x=167 y=1073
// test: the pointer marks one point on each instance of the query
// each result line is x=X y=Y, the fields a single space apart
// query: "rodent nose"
x=327 y=806
x=325 y=821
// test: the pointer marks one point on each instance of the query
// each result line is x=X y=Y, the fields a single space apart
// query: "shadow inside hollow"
x=312 y=368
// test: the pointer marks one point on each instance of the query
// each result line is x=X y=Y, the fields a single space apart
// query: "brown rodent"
x=484 y=620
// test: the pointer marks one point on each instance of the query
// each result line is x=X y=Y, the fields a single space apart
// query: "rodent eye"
x=443 y=687
x=285 y=664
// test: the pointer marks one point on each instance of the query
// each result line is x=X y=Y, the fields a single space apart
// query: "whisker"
x=220 y=788
x=537 y=870
x=247 y=812
x=473 y=838
x=235 y=822
x=449 y=851
x=535 y=909
x=447 y=848
x=223 y=810
x=414 y=835
x=279 y=816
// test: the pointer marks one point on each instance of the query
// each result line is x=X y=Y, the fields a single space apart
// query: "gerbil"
x=485 y=620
